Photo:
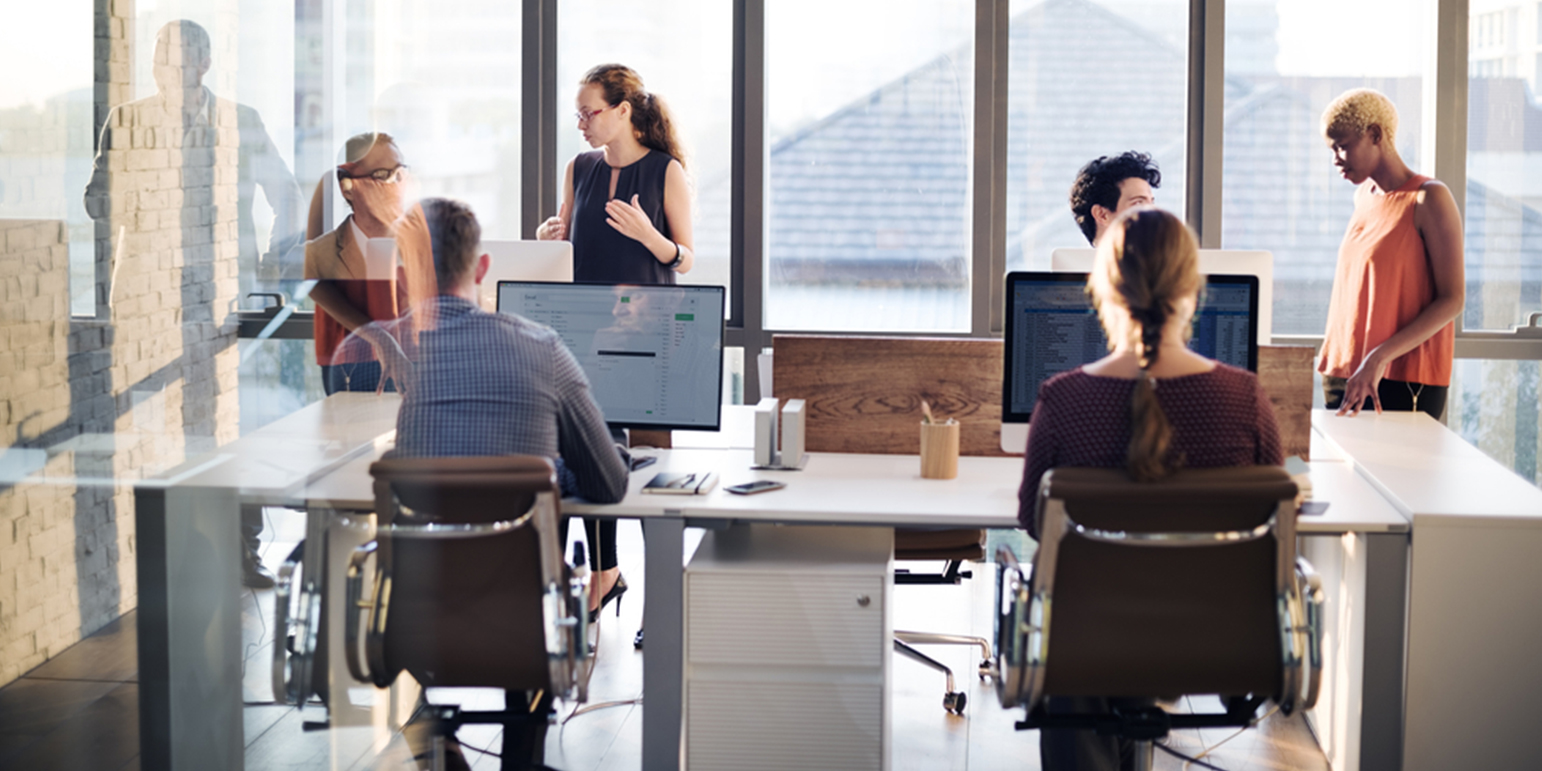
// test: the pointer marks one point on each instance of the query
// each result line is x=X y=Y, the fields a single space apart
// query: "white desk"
x=887 y=491
x=320 y=457
x=188 y=560
x=1474 y=591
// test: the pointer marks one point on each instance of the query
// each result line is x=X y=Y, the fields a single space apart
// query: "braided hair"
x=1146 y=264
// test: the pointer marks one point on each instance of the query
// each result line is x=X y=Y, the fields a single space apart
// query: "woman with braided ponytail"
x=1150 y=407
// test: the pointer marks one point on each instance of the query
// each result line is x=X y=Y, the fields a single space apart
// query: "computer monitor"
x=524 y=261
x=1234 y=262
x=653 y=354
x=1051 y=327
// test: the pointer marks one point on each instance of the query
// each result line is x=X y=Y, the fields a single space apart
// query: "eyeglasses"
x=379 y=175
x=584 y=116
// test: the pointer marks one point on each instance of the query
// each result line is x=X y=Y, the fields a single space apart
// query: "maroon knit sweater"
x=1219 y=418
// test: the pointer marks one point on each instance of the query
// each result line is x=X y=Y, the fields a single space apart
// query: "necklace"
x=1415 y=394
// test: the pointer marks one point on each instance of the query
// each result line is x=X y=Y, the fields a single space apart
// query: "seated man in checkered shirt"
x=479 y=383
x=492 y=384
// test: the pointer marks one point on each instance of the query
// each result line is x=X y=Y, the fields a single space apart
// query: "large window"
x=1494 y=404
x=1089 y=80
x=1285 y=61
x=869 y=112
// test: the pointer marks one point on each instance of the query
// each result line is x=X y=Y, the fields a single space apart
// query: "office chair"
x=1190 y=585
x=468 y=588
x=953 y=546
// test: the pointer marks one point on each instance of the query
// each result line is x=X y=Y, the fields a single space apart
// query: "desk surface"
x=274 y=463
x=1426 y=470
x=873 y=490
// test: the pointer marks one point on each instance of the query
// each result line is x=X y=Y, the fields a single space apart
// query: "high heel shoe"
x=616 y=590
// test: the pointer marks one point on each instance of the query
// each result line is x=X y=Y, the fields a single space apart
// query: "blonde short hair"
x=1358 y=109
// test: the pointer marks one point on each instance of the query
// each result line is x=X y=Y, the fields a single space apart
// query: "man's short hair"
x=194 y=39
x=1098 y=184
x=1360 y=108
x=455 y=235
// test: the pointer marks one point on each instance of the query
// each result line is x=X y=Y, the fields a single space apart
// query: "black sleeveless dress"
x=600 y=252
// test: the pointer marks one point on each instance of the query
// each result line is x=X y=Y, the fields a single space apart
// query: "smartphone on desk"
x=758 y=486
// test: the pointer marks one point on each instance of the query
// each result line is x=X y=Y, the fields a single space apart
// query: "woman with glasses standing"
x=626 y=206
x=347 y=297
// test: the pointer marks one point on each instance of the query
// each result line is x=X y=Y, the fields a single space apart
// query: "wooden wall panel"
x=864 y=394
x=1286 y=372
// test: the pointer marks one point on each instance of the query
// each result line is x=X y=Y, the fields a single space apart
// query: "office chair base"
x=587 y=708
x=987 y=668
x=952 y=700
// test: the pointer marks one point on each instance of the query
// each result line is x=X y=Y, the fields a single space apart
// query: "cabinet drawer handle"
x=863 y=601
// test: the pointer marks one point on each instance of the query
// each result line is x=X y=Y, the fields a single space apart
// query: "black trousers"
x=1395 y=396
x=251 y=527
x=601 y=534
x=1069 y=749
x=524 y=743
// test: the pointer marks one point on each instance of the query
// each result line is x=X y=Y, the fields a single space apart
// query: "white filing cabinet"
x=787 y=639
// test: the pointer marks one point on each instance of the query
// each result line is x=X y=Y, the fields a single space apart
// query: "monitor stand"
x=1014 y=437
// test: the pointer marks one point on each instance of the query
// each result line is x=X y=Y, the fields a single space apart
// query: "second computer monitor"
x=524 y=261
x=1051 y=328
x=653 y=354
x=1231 y=262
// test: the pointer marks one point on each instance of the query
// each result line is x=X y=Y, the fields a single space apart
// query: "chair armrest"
x=1312 y=599
x=356 y=609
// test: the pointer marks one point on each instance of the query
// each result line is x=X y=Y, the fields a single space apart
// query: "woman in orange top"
x=1399 y=282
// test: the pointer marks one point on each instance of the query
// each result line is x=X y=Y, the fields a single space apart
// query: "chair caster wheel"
x=954 y=702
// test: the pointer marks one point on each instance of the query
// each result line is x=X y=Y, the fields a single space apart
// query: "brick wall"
x=88 y=405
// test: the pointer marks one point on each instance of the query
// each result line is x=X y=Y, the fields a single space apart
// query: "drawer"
x=739 y=725
x=771 y=619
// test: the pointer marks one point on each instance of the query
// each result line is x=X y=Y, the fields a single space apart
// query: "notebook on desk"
x=681 y=483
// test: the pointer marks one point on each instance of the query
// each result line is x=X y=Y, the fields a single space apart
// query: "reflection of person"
x=1398 y=286
x=183 y=105
x=1150 y=406
x=626 y=206
x=1109 y=186
x=627 y=209
x=498 y=384
x=217 y=153
x=347 y=296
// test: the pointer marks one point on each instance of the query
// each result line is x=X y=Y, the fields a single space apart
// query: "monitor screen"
x=1051 y=328
x=653 y=354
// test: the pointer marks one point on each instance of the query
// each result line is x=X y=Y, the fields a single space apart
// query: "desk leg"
x=1386 y=624
x=189 y=565
x=663 y=654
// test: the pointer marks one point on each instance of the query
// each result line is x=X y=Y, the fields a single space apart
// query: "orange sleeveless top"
x=1382 y=282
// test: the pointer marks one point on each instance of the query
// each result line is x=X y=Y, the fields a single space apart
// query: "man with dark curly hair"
x=1104 y=188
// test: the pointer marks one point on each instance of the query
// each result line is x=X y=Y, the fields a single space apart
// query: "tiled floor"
x=79 y=711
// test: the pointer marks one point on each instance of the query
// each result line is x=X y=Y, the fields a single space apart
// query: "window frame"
x=1444 y=137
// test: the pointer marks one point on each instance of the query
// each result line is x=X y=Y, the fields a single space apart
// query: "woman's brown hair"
x=651 y=117
x=1146 y=263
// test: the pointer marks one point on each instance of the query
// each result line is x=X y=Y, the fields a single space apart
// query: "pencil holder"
x=939 y=450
